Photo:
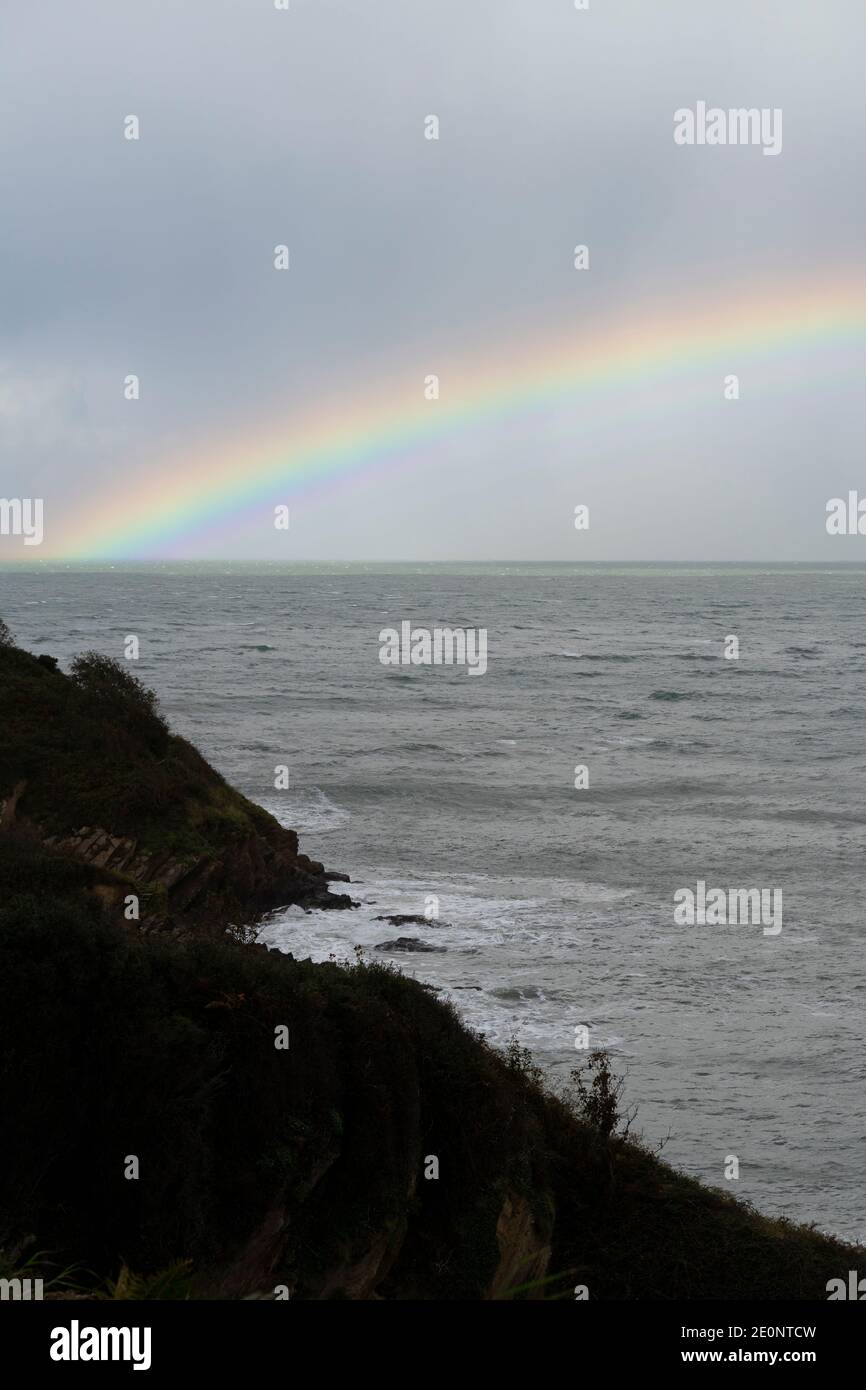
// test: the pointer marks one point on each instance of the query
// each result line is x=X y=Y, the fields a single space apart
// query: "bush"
x=115 y=689
x=596 y=1096
x=94 y=750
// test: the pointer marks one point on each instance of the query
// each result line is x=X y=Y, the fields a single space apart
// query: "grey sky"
x=411 y=256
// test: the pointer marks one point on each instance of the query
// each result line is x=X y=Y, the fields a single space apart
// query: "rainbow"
x=202 y=489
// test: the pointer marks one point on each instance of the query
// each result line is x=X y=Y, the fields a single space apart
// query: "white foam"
x=310 y=811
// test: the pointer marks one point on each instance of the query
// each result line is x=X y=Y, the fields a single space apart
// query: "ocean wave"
x=428 y=748
x=814 y=817
x=689 y=745
x=610 y=656
x=597 y=656
x=310 y=811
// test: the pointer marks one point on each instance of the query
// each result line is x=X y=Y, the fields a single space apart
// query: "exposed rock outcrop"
x=410 y=919
x=242 y=879
x=89 y=772
x=408 y=943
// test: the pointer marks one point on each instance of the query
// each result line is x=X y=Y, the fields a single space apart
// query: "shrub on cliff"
x=114 y=690
x=94 y=750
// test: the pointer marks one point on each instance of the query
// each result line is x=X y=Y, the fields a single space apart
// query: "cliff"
x=89 y=771
x=232 y=1123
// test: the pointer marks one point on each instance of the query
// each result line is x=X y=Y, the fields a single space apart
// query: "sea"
x=442 y=792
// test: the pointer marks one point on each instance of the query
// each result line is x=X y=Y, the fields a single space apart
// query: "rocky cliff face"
x=230 y=885
x=90 y=772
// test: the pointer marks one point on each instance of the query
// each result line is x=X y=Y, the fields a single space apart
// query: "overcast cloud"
x=411 y=256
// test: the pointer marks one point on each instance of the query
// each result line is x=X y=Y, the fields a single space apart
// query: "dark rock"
x=321 y=898
x=409 y=919
x=407 y=943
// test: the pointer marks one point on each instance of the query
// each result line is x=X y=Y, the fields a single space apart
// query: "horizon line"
x=104 y=563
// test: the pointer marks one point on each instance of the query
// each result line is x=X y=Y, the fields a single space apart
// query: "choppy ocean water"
x=556 y=904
